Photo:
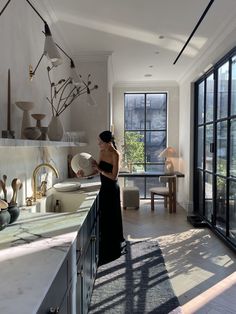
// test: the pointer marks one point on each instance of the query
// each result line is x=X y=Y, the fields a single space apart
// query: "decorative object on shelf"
x=32 y=133
x=83 y=161
x=55 y=129
x=8 y=133
x=168 y=153
x=3 y=187
x=25 y=106
x=62 y=95
x=39 y=117
x=4 y=218
x=64 y=92
x=14 y=212
x=4 y=215
x=16 y=185
x=44 y=133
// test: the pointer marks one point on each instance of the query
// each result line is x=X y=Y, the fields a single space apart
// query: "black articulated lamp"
x=52 y=53
x=50 y=48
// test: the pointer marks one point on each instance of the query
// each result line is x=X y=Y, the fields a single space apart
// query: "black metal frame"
x=145 y=130
x=228 y=118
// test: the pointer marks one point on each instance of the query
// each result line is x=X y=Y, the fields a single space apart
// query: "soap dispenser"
x=57 y=207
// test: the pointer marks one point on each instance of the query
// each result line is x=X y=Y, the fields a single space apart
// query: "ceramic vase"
x=55 y=129
x=25 y=106
x=4 y=218
x=14 y=212
x=32 y=133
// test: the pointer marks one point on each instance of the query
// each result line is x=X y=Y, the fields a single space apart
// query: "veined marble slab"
x=31 y=252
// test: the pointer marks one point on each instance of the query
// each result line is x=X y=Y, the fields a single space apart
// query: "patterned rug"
x=137 y=282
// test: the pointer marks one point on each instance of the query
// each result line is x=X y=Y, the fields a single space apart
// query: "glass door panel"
x=208 y=196
x=201 y=88
x=221 y=203
x=222 y=94
x=200 y=190
x=209 y=147
x=232 y=211
x=200 y=147
x=233 y=87
x=232 y=169
x=209 y=98
x=221 y=153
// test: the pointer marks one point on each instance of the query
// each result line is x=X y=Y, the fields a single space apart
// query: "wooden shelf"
x=36 y=143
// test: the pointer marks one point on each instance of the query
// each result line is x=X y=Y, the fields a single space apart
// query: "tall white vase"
x=55 y=129
x=25 y=106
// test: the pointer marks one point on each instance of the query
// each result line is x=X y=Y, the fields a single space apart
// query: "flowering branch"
x=64 y=92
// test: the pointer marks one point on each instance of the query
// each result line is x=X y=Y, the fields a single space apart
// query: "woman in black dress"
x=111 y=242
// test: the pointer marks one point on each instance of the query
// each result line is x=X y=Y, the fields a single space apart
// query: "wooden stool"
x=130 y=197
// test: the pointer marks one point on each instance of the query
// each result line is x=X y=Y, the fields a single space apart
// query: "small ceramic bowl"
x=32 y=133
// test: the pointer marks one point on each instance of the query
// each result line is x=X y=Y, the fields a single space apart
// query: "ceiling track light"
x=194 y=30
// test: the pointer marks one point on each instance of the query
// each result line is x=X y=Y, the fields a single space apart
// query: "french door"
x=215 y=148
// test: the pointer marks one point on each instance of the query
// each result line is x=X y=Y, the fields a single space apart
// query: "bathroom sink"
x=69 y=201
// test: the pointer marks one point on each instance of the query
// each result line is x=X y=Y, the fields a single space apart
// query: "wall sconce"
x=168 y=153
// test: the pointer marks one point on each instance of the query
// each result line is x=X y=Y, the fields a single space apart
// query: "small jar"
x=5 y=218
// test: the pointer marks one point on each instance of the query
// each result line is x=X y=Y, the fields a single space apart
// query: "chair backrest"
x=170 y=181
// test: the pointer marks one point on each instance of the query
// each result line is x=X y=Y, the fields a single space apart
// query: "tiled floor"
x=201 y=267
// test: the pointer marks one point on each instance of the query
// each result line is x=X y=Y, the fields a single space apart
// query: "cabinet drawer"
x=57 y=293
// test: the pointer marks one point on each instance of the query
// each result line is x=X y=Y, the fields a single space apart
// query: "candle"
x=9 y=101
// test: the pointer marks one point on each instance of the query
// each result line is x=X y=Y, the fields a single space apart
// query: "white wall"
x=92 y=119
x=186 y=102
x=22 y=43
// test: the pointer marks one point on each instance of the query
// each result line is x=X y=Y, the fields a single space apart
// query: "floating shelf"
x=36 y=143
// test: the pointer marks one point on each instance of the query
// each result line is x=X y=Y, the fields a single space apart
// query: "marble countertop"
x=32 y=250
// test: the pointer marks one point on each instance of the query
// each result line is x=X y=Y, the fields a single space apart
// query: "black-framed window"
x=145 y=134
x=215 y=147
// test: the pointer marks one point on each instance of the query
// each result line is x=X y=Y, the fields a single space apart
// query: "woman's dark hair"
x=107 y=137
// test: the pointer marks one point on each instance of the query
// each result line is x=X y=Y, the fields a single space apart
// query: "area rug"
x=137 y=282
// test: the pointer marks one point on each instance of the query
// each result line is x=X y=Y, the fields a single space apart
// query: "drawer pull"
x=93 y=238
x=54 y=310
x=80 y=273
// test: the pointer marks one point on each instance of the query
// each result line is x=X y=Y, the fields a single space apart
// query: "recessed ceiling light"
x=148 y=75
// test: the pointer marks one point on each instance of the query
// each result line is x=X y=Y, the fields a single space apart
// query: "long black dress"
x=111 y=240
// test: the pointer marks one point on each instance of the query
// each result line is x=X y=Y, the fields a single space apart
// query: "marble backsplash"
x=20 y=162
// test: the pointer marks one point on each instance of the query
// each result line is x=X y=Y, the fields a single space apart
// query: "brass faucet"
x=35 y=177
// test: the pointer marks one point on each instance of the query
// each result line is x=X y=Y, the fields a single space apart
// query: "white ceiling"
x=131 y=30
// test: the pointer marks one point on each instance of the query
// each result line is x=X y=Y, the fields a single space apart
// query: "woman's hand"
x=80 y=173
x=95 y=165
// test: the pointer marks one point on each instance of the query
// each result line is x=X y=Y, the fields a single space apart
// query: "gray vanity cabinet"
x=57 y=299
x=87 y=258
x=68 y=294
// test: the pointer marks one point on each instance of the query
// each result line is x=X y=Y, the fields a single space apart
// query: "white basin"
x=67 y=186
x=69 y=201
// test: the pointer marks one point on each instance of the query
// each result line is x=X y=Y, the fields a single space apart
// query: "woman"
x=111 y=242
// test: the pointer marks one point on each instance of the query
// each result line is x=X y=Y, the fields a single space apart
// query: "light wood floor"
x=201 y=267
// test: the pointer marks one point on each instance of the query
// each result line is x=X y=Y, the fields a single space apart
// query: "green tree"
x=133 y=148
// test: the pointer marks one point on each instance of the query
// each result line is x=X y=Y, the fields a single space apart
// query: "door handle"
x=212 y=147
